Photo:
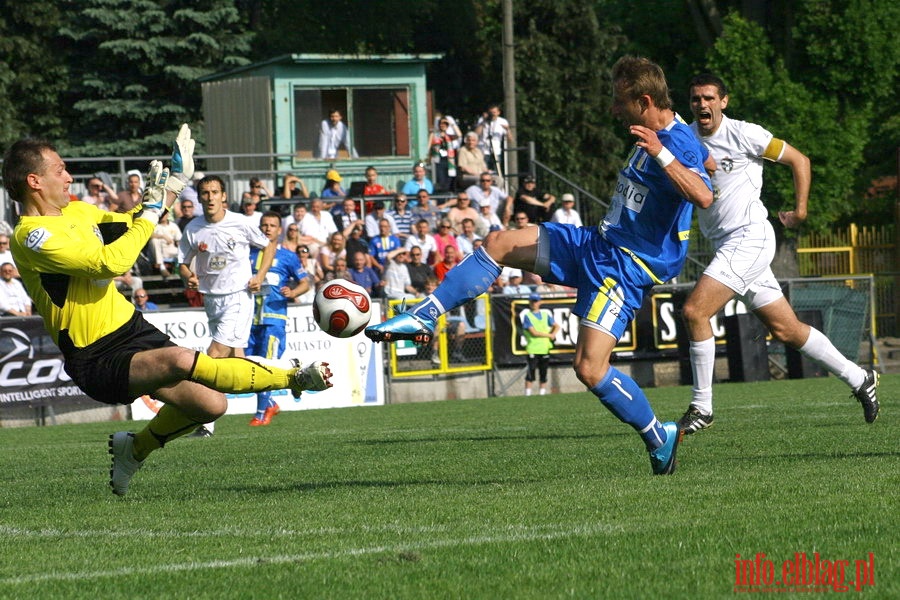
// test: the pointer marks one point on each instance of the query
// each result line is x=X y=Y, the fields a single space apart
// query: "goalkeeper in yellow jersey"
x=68 y=254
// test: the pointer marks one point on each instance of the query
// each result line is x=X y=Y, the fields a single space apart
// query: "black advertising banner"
x=31 y=367
x=509 y=338
x=654 y=333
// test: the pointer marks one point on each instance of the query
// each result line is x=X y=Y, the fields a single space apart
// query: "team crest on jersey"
x=727 y=165
x=231 y=243
x=36 y=238
x=203 y=247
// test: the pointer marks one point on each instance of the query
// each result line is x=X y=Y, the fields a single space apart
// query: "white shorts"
x=742 y=263
x=230 y=318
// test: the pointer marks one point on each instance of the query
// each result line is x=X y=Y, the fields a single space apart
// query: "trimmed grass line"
x=214 y=533
x=529 y=534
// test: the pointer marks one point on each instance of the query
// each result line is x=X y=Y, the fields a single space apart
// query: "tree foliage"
x=564 y=90
x=32 y=76
x=135 y=65
x=848 y=54
x=829 y=116
x=820 y=74
x=117 y=76
x=462 y=80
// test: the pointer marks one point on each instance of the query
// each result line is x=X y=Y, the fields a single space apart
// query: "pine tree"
x=32 y=76
x=135 y=69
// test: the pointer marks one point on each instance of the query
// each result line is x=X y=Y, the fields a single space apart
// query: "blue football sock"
x=622 y=396
x=472 y=277
x=263 y=400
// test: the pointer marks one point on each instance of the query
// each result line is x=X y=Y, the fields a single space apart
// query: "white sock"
x=703 y=365
x=527 y=391
x=543 y=391
x=820 y=349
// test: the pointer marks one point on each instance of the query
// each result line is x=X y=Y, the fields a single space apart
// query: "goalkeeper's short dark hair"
x=21 y=160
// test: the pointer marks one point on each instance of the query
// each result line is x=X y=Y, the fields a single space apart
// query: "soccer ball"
x=342 y=308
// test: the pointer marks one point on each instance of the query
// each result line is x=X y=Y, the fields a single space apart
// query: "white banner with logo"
x=356 y=362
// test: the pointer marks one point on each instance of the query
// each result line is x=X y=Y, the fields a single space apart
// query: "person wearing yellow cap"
x=333 y=187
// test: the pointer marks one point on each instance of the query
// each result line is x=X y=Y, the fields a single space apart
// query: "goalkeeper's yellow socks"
x=168 y=424
x=238 y=375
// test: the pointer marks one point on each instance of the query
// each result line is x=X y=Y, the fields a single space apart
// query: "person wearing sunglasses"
x=142 y=301
x=486 y=193
x=402 y=216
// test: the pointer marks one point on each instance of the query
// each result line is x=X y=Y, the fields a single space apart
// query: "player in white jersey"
x=737 y=224
x=218 y=245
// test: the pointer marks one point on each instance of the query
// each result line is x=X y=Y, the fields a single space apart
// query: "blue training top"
x=647 y=217
x=271 y=308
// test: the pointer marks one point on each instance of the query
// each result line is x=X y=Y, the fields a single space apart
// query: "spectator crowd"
x=396 y=244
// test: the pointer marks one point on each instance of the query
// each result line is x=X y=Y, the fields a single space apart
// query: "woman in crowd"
x=291 y=239
x=334 y=249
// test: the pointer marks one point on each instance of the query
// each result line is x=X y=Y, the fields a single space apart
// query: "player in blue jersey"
x=285 y=280
x=642 y=242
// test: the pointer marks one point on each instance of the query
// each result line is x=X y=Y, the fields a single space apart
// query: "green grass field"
x=540 y=497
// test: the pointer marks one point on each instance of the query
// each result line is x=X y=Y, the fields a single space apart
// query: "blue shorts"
x=267 y=341
x=611 y=286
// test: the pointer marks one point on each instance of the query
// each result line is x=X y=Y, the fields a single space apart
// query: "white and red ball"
x=342 y=308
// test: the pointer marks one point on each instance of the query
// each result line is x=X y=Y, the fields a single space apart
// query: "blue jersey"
x=647 y=217
x=271 y=308
x=381 y=246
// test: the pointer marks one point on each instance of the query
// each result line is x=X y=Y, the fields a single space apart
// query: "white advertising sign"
x=356 y=362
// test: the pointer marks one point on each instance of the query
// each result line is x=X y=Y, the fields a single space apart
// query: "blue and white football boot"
x=662 y=460
x=405 y=326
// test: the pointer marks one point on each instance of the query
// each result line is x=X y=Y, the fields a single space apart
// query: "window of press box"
x=378 y=120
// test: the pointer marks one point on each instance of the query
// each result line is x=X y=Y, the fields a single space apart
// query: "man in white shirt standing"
x=494 y=136
x=334 y=135
x=738 y=227
x=567 y=213
x=218 y=245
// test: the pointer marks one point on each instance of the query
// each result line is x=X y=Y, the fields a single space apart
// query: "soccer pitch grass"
x=539 y=497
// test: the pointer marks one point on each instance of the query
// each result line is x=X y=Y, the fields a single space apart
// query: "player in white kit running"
x=744 y=241
x=218 y=246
